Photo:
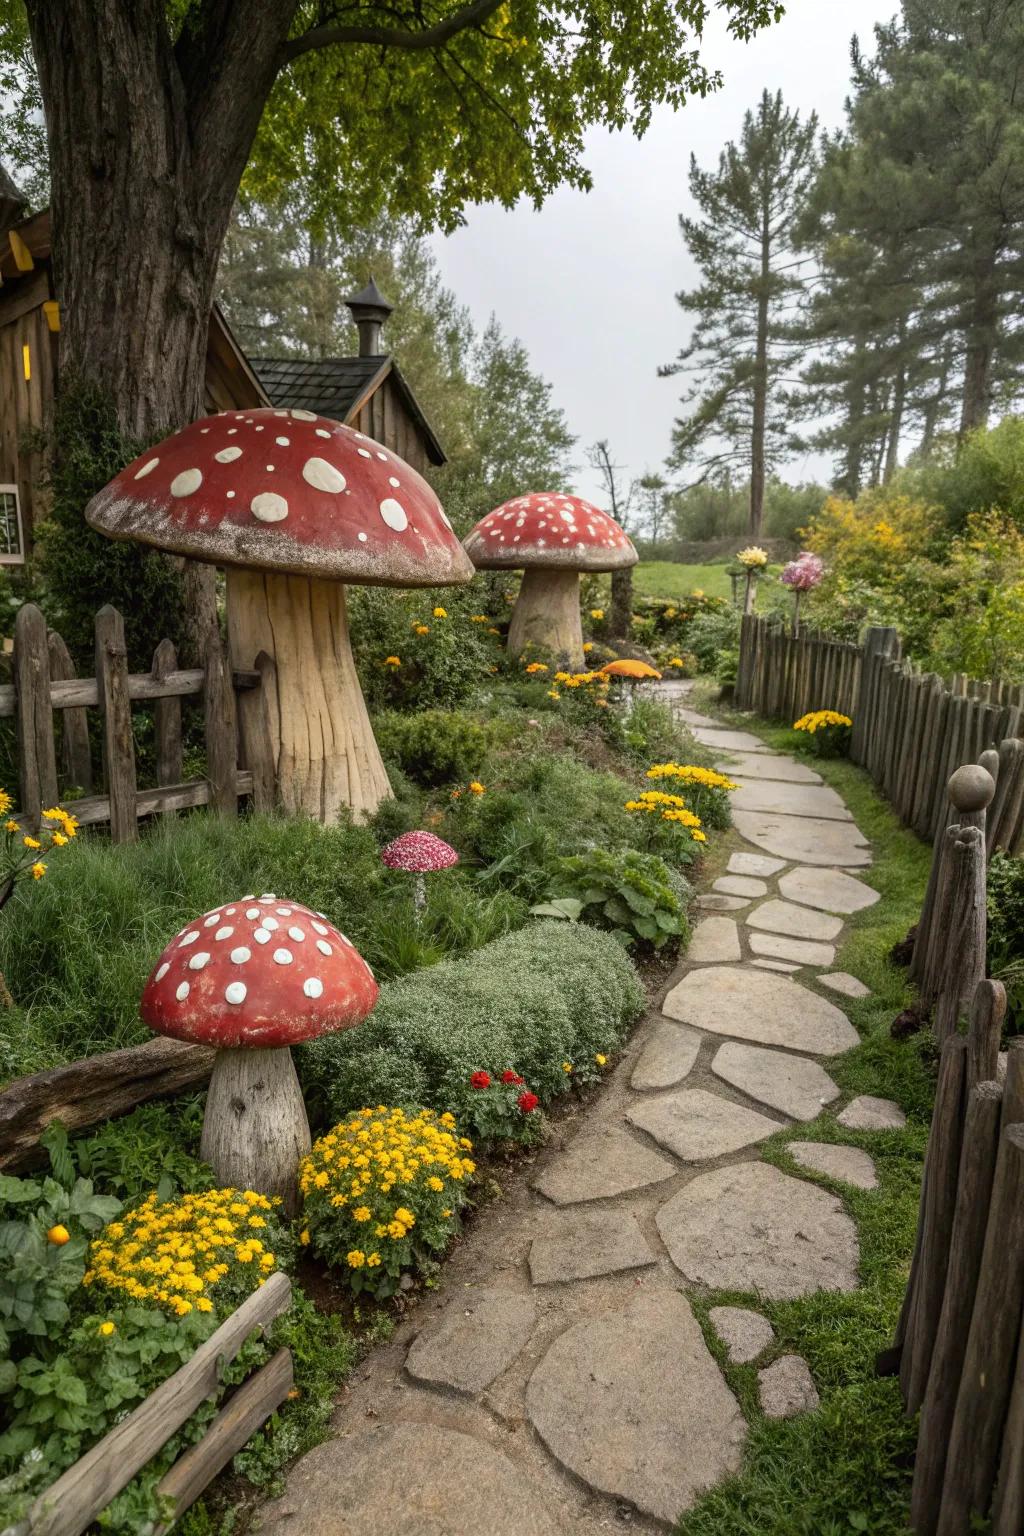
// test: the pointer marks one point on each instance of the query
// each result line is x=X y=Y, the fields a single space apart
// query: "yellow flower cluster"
x=670 y=808
x=177 y=1253
x=819 y=719
x=690 y=773
x=379 y=1175
x=392 y=661
x=60 y=828
x=597 y=614
x=421 y=629
x=440 y=613
x=535 y=667
x=753 y=557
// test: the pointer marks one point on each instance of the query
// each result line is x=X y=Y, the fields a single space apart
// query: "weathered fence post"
x=960 y=956
x=116 y=714
x=75 y=752
x=969 y=792
x=167 y=720
x=221 y=727
x=37 y=757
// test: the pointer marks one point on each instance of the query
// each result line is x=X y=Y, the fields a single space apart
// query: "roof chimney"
x=369 y=310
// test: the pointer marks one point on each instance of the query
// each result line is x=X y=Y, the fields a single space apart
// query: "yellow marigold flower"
x=372 y=1260
x=567 y=1067
x=446 y=1213
x=204 y=1304
x=361 y=1213
x=478 y=618
x=588 y=645
x=396 y=1230
x=106 y=1329
x=447 y=1118
x=553 y=693
x=59 y=839
x=11 y=826
x=440 y=613
x=38 y=871
x=475 y=787
x=597 y=613
x=536 y=666
x=819 y=719
x=6 y=802
x=356 y=1258
x=675 y=661
x=31 y=842
x=392 y=661
x=698 y=836
x=601 y=1060
x=421 y=629
x=435 y=1183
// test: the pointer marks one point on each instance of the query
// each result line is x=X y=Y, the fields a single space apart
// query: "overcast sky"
x=588 y=282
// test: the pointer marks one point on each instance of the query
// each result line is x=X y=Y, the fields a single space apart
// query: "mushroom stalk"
x=547 y=615
x=255 y=1131
x=324 y=749
x=419 y=894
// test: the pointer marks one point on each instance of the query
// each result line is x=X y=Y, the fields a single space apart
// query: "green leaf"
x=18 y=1191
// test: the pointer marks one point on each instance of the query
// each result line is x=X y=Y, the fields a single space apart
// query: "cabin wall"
x=384 y=418
x=25 y=403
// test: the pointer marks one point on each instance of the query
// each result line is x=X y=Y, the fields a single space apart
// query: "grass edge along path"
x=848 y=1466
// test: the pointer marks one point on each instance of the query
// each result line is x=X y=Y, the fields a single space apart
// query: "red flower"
x=512 y=1077
x=528 y=1102
x=480 y=1080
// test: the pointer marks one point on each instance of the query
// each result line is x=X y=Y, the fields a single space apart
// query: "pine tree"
x=743 y=345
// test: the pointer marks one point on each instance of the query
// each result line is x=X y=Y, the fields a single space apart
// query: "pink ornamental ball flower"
x=419 y=853
x=804 y=572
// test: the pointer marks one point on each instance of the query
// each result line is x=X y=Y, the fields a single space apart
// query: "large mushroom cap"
x=634 y=671
x=257 y=972
x=285 y=491
x=547 y=529
x=419 y=853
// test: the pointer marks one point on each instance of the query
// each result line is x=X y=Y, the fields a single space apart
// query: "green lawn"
x=847 y=1467
x=663 y=578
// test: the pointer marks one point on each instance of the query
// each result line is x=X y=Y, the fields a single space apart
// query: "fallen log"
x=96 y=1088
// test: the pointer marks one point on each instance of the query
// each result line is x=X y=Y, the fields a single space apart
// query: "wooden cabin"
x=366 y=392
x=30 y=359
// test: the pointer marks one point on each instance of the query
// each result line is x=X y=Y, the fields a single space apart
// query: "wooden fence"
x=50 y=706
x=911 y=730
x=71 y=1504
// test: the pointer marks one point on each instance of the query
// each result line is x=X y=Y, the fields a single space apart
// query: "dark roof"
x=370 y=297
x=337 y=387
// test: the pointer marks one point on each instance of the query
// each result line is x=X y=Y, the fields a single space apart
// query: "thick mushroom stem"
x=325 y=755
x=547 y=616
x=255 y=1131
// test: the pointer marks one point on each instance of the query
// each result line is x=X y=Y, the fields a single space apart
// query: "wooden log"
x=82 y=1093
x=75 y=752
x=1008 y=1504
x=71 y=1503
x=240 y=1418
x=962 y=937
x=167 y=719
x=975 y=1439
x=938 y=1207
x=934 y=921
x=927 y=764
x=116 y=716
x=974 y=1192
x=221 y=728
x=988 y=1010
x=37 y=755
x=1009 y=785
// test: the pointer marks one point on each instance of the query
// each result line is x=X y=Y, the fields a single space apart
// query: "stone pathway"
x=558 y=1380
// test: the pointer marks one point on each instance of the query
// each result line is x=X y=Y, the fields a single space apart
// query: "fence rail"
x=50 y=706
x=911 y=730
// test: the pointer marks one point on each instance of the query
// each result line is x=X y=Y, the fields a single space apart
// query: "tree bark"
x=620 y=619
x=760 y=400
x=982 y=336
x=255 y=1129
x=899 y=390
x=547 y=617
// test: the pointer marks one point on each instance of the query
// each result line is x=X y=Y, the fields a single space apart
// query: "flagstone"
x=785 y=967
x=602 y=1161
x=797 y=922
x=800 y=950
x=667 y=1057
x=842 y=981
x=788 y=799
x=851 y=1165
x=632 y=1403
x=749 y=1227
x=722 y=740
x=745 y=1334
x=754 y=864
x=711 y=901
x=714 y=939
x=695 y=1124
x=478 y=1336
x=768 y=765
x=829 y=889
x=740 y=885
x=794 y=1085
x=804 y=839
x=867 y=1113
x=786 y=1387
x=758 y=1006
x=587 y=1242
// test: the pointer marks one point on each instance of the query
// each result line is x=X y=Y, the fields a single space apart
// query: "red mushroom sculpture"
x=419 y=854
x=294 y=505
x=552 y=538
x=253 y=978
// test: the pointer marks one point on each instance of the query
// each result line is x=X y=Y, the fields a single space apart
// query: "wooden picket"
x=50 y=706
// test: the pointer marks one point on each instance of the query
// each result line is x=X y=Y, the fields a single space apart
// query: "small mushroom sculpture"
x=419 y=854
x=629 y=674
x=552 y=538
x=294 y=505
x=251 y=979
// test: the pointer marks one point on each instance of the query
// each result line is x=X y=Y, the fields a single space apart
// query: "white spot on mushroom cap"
x=304 y=415
x=198 y=960
x=361 y=537
x=321 y=433
x=262 y=936
x=228 y=455
x=213 y=918
x=148 y=467
x=296 y=934
x=324 y=948
x=394 y=514
x=271 y=923
x=283 y=956
x=364 y=453
x=282 y=442
x=284 y=911
x=323 y=476
x=235 y=992
x=224 y=933
x=183 y=991
x=188 y=481
x=269 y=507
x=319 y=928
x=240 y=955
x=252 y=913
x=161 y=971
x=188 y=938
x=313 y=986
x=393 y=482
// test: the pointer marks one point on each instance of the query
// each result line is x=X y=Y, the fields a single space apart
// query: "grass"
x=848 y=1466
x=664 y=578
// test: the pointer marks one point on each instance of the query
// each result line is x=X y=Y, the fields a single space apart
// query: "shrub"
x=528 y=1002
x=441 y=661
x=501 y=1106
x=705 y=790
x=825 y=732
x=710 y=632
x=381 y=1192
x=636 y=893
x=435 y=746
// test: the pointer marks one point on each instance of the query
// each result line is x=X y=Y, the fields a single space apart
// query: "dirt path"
x=558 y=1382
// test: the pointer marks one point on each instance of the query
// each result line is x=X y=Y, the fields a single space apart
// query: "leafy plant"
x=499 y=1106
x=1006 y=932
x=434 y=746
x=635 y=893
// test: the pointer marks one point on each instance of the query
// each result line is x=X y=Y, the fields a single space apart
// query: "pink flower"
x=804 y=572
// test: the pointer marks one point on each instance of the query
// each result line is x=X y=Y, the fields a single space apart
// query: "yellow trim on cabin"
x=26 y=361
x=20 y=251
x=51 y=309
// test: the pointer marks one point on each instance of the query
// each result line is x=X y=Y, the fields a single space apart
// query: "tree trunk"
x=547 y=617
x=899 y=390
x=620 y=619
x=255 y=1130
x=326 y=758
x=982 y=334
x=760 y=402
